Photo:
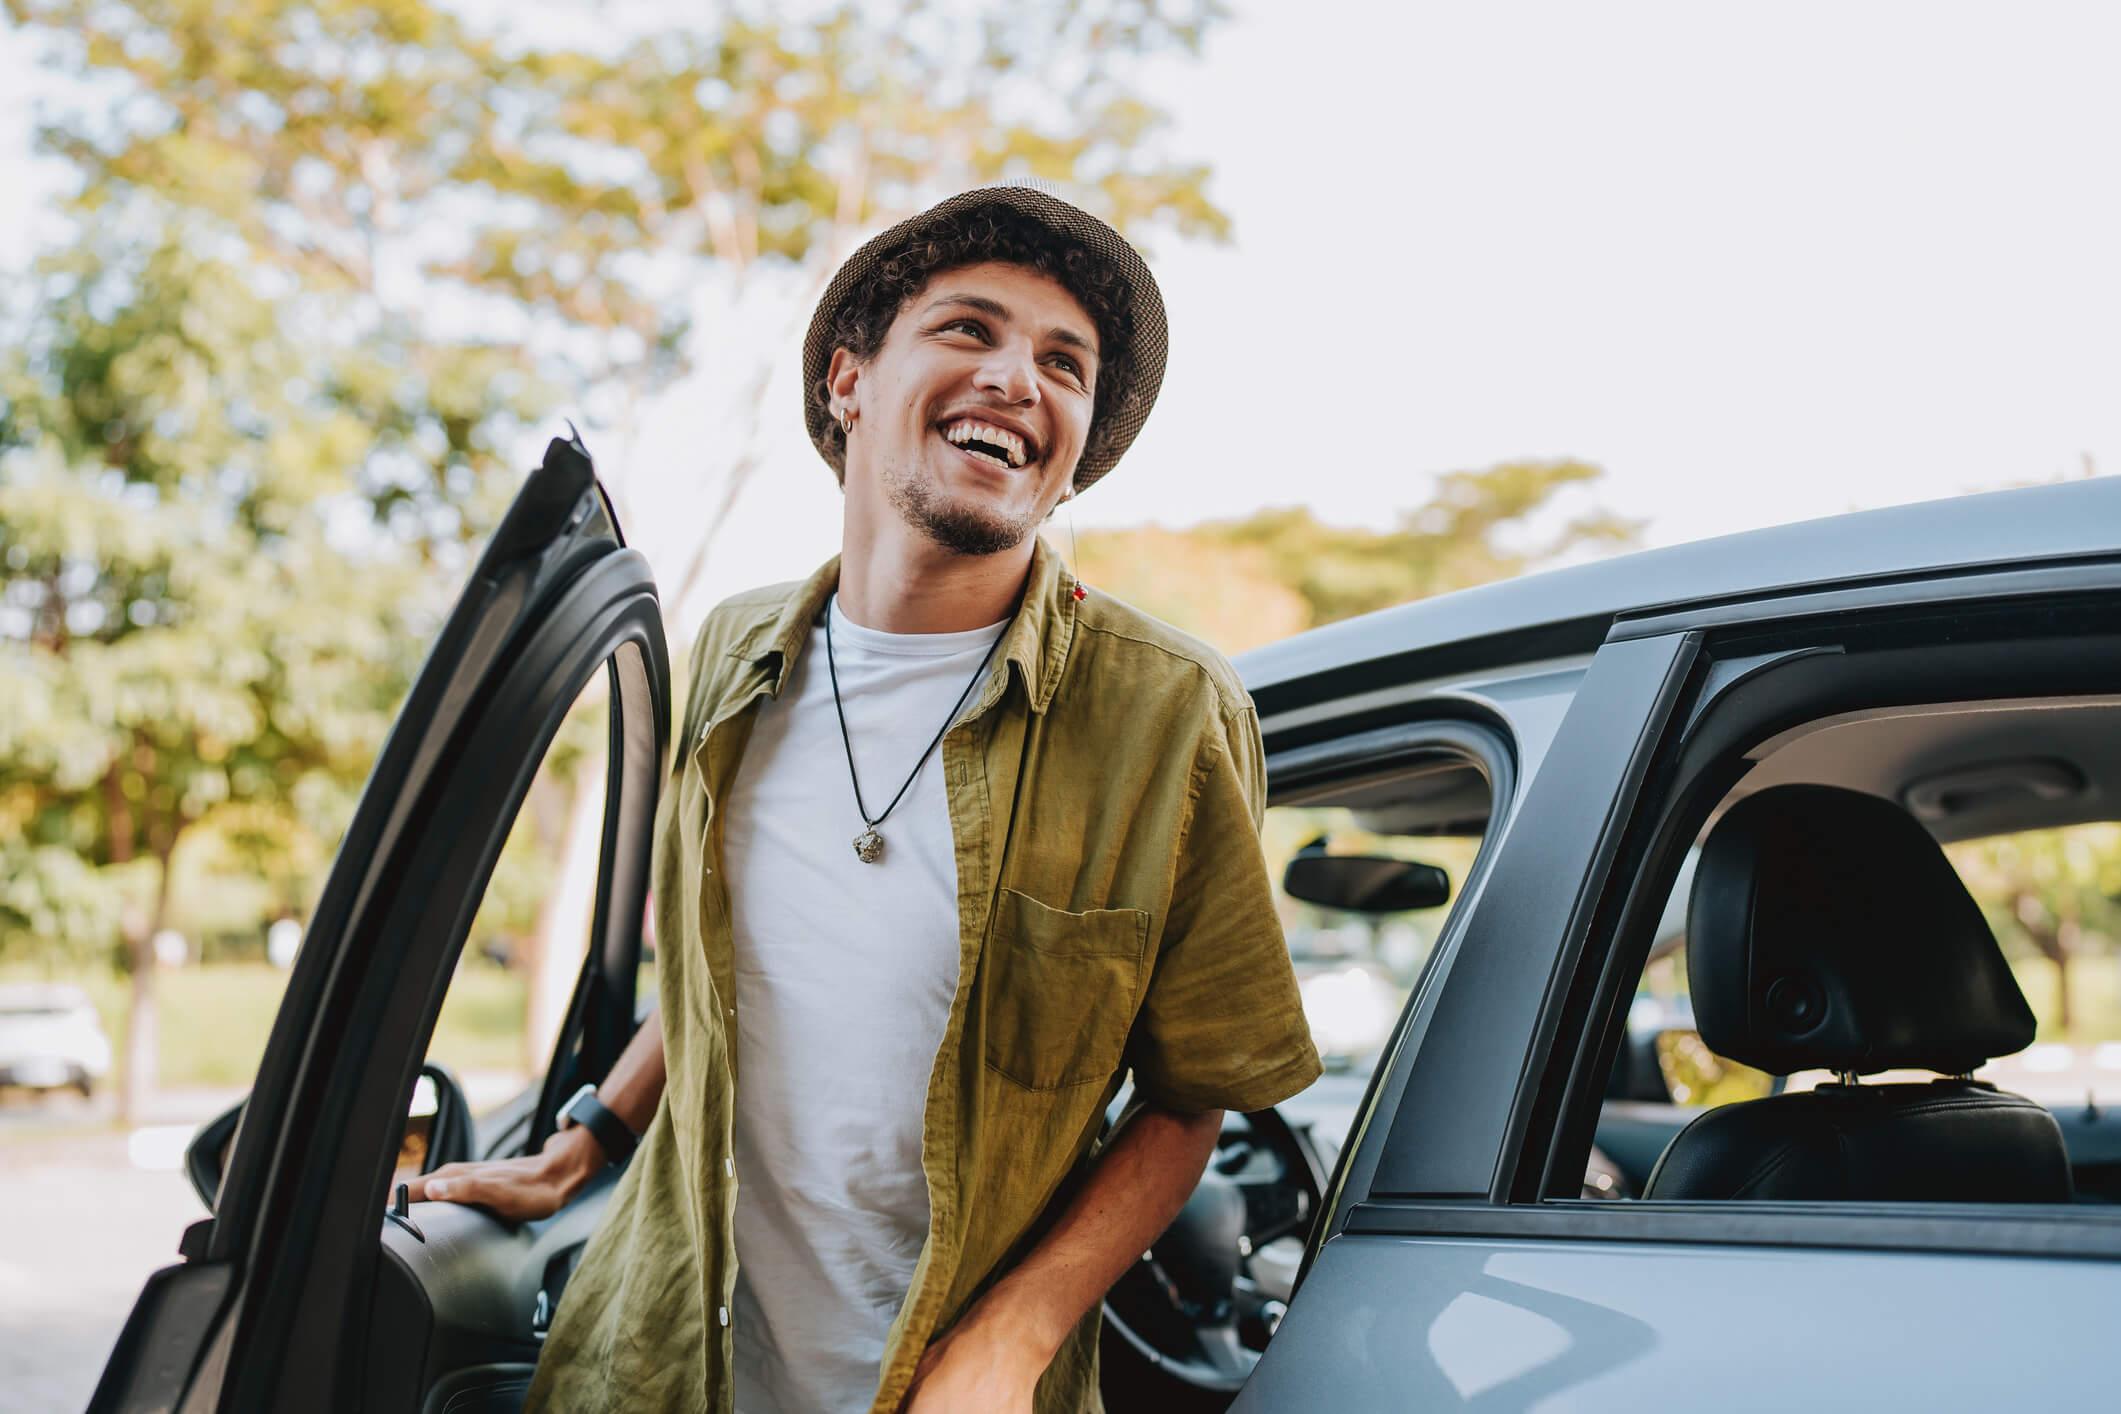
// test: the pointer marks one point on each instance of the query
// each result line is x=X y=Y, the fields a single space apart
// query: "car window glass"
x=1354 y=970
x=2053 y=900
x=1660 y=1029
x=2050 y=895
x=508 y=997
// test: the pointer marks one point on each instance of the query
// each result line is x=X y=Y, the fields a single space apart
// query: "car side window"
x=2052 y=897
x=1366 y=876
x=1890 y=916
x=507 y=1001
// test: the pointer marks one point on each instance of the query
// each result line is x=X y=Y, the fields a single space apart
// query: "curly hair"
x=974 y=237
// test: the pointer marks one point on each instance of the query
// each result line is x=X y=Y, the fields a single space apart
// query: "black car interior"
x=1828 y=932
x=1828 y=938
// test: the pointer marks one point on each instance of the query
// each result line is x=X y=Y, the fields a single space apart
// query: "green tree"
x=1241 y=583
x=182 y=637
x=2052 y=894
x=332 y=259
x=481 y=208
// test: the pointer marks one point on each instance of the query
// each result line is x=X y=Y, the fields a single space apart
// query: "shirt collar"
x=1036 y=641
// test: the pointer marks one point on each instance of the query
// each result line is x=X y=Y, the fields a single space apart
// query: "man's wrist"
x=614 y=1134
x=1020 y=1318
x=576 y=1156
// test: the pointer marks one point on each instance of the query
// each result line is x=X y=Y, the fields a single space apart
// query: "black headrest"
x=1828 y=931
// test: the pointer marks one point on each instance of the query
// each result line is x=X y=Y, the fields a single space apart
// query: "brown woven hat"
x=1121 y=409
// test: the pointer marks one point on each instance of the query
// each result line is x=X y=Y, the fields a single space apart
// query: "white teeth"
x=966 y=430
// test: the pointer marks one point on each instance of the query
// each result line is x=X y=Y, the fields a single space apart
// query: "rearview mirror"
x=206 y=1157
x=1363 y=883
x=437 y=1125
x=437 y=1132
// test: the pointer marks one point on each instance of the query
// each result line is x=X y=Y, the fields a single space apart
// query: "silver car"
x=51 y=1038
x=1812 y=1172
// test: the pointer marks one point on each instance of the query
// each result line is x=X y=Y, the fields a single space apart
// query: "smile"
x=983 y=439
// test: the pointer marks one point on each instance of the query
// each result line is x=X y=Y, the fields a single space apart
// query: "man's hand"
x=977 y=1368
x=993 y=1357
x=533 y=1186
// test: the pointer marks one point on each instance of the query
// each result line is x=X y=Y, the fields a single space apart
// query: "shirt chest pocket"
x=1061 y=989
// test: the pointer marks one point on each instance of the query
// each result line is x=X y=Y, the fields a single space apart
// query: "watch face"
x=574 y=1103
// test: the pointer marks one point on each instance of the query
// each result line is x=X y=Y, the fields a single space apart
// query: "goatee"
x=958 y=528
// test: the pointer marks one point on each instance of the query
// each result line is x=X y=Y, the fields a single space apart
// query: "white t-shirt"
x=844 y=977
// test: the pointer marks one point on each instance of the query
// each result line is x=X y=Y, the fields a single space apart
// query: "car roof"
x=1567 y=611
x=41 y=996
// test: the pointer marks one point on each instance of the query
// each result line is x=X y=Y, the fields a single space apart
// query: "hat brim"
x=1128 y=409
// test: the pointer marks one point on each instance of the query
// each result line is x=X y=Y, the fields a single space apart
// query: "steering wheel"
x=1200 y=1305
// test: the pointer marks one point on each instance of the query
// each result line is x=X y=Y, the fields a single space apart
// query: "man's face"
x=974 y=411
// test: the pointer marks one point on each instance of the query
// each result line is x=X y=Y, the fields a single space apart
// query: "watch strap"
x=594 y=1115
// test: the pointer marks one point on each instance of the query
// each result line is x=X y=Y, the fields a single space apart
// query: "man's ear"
x=841 y=376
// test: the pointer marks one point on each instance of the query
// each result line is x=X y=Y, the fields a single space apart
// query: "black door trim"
x=312 y=1246
x=271 y=1310
x=1451 y=1097
x=2035 y=649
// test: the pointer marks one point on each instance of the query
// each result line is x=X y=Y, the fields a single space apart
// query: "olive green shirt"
x=1114 y=913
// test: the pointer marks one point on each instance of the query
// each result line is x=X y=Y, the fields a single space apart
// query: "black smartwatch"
x=588 y=1111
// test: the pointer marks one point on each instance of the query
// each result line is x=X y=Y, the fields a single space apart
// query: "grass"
x=214 y=1019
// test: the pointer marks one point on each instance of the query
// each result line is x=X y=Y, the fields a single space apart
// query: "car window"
x=1355 y=969
x=2050 y=896
x=2053 y=899
x=508 y=998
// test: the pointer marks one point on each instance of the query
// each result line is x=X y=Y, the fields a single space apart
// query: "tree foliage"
x=2052 y=894
x=1241 y=583
x=329 y=262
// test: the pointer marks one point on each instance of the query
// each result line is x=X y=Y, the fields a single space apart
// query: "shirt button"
x=725 y=1315
x=729 y=1166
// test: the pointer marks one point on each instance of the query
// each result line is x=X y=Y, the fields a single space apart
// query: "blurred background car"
x=50 y=1038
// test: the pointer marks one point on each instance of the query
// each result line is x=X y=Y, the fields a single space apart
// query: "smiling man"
x=952 y=845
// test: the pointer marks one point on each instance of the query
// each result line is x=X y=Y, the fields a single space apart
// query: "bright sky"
x=1759 y=262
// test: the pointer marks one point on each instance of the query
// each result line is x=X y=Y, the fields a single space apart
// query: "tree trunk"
x=2049 y=937
x=142 y=1035
x=2063 y=1020
x=142 y=1031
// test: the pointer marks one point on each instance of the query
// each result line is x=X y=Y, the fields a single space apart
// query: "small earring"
x=846 y=422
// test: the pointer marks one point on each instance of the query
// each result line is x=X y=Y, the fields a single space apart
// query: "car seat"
x=1827 y=931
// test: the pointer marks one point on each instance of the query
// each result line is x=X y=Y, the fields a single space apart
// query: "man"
x=910 y=947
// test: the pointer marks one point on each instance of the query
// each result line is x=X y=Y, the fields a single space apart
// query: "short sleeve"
x=1222 y=1025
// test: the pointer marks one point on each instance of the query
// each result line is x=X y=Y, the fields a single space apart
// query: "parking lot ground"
x=88 y=1210
x=82 y=1224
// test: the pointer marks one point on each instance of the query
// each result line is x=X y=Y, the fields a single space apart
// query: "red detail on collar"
x=1081 y=593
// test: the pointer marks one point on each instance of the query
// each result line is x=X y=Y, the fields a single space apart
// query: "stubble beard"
x=957 y=527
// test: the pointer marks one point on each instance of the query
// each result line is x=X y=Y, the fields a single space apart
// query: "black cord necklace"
x=869 y=845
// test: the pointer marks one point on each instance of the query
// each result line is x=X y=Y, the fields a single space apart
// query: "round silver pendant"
x=868 y=846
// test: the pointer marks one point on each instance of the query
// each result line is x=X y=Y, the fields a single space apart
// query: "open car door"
x=299 y=1292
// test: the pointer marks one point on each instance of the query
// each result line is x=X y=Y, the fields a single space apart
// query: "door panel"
x=298 y=1229
x=1395 y=1323
x=458 y=1302
x=1452 y=1099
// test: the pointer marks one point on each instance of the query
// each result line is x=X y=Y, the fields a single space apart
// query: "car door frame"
x=270 y=1309
x=1650 y=689
x=1517 y=718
